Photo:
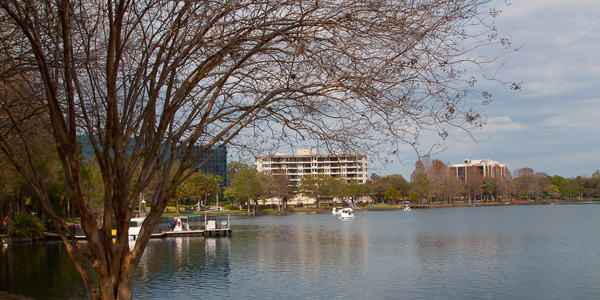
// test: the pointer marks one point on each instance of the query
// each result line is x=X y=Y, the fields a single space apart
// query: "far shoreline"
x=384 y=207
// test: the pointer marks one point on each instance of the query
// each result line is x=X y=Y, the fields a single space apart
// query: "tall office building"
x=306 y=162
x=216 y=165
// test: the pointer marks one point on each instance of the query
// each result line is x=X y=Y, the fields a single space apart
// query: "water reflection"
x=41 y=271
x=188 y=265
x=459 y=253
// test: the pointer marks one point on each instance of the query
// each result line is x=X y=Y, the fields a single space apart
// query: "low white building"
x=306 y=162
x=487 y=168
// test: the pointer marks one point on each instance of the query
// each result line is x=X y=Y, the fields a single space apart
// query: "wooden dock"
x=159 y=233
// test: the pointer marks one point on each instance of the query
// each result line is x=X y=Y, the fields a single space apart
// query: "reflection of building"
x=486 y=167
x=306 y=162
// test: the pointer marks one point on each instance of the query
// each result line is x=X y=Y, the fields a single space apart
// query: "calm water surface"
x=521 y=252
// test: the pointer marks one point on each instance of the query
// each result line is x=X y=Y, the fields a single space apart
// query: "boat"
x=180 y=226
x=346 y=213
x=214 y=228
x=336 y=210
x=406 y=208
x=175 y=227
x=135 y=225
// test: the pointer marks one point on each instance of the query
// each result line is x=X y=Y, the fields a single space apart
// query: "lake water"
x=509 y=252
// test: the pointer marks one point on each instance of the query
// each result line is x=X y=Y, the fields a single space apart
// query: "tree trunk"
x=11 y=216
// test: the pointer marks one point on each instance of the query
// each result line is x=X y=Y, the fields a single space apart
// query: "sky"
x=553 y=124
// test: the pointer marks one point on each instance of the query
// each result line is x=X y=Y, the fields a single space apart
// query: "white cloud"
x=575 y=115
x=503 y=123
x=553 y=124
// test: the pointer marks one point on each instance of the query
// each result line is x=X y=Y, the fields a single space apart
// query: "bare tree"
x=453 y=187
x=524 y=181
x=474 y=183
x=437 y=174
x=147 y=81
x=506 y=187
x=279 y=186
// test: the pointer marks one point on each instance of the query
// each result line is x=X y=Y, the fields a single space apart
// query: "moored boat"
x=346 y=213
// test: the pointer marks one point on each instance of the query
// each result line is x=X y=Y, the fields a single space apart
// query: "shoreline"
x=327 y=209
x=4 y=295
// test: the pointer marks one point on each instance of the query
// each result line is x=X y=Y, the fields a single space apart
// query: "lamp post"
x=142 y=209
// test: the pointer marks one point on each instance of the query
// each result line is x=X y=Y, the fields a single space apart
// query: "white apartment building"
x=307 y=162
x=487 y=168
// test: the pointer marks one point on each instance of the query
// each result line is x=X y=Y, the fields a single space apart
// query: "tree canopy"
x=147 y=81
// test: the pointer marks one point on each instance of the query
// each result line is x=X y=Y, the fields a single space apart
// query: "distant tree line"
x=433 y=183
x=430 y=182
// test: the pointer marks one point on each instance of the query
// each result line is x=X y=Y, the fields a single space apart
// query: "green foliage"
x=379 y=185
x=235 y=167
x=202 y=187
x=393 y=194
x=229 y=206
x=569 y=188
x=557 y=180
x=414 y=197
x=248 y=185
x=356 y=190
x=321 y=186
x=420 y=185
x=26 y=225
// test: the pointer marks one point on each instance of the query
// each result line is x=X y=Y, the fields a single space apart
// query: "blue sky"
x=553 y=124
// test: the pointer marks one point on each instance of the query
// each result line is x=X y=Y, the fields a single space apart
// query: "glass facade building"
x=216 y=165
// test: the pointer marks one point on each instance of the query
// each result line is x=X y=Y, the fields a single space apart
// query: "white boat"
x=346 y=213
x=407 y=208
x=177 y=225
x=135 y=225
x=336 y=210
x=215 y=228
x=180 y=226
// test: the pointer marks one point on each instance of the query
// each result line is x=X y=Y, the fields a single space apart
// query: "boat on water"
x=346 y=213
x=214 y=228
x=175 y=227
x=135 y=225
x=336 y=210
x=406 y=208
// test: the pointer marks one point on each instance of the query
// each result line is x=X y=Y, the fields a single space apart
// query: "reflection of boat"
x=336 y=210
x=346 y=213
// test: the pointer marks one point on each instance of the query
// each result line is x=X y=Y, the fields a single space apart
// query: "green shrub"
x=229 y=206
x=25 y=225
